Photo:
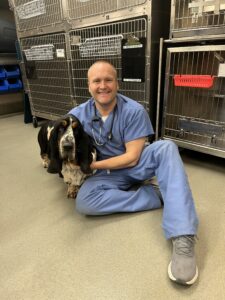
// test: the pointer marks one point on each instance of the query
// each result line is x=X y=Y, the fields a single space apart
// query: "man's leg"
x=109 y=193
x=179 y=216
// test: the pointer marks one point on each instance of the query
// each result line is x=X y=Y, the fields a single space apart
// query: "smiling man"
x=119 y=127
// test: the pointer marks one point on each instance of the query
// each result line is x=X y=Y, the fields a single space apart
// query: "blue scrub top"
x=131 y=121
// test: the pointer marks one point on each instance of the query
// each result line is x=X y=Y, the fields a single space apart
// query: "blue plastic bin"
x=2 y=72
x=14 y=84
x=12 y=71
x=4 y=86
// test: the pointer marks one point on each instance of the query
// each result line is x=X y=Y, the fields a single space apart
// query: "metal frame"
x=193 y=117
x=194 y=19
x=115 y=22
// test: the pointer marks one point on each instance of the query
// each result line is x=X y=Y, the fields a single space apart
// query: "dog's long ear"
x=84 y=147
x=85 y=156
x=55 y=164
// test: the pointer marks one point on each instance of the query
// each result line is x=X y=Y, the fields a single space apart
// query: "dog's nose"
x=67 y=146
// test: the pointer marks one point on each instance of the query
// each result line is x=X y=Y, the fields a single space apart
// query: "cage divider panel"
x=196 y=114
x=47 y=68
x=133 y=60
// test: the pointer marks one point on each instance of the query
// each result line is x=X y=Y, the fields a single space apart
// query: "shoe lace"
x=184 y=245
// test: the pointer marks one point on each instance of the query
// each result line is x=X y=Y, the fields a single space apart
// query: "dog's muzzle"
x=67 y=145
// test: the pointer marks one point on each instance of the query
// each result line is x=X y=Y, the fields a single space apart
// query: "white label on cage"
x=60 y=53
x=31 y=9
x=41 y=52
x=133 y=46
x=221 y=72
x=131 y=80
x=101 y=46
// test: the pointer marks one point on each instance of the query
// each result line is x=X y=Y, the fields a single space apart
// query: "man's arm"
x=129 y=159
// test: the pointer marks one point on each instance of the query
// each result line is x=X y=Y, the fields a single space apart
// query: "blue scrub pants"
x=107 y=193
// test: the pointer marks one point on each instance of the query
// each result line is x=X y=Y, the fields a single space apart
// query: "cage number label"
x=31 y=9
x=41 y=52
x=221 y=72
x=60 y=53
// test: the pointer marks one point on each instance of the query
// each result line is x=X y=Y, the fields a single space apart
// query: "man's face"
x=102 y=83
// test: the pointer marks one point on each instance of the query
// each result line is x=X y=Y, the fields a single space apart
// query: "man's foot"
x=182 y=268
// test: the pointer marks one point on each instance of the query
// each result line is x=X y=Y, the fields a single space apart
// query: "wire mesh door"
x=104 y=42
x=197 y=17
x=48 y=76
x=86 y=8
x=37 y=13
x=194 y=104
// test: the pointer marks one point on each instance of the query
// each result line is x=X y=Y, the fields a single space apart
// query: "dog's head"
x=69 y=142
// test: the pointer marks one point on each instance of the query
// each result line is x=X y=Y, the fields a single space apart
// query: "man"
x=119 y=127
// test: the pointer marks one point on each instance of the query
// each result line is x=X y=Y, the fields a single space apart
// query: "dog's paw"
x=45 y=164
x=45 y=160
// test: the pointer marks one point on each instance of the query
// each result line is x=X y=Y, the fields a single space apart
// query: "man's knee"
x=84 y=205
x=167 y=147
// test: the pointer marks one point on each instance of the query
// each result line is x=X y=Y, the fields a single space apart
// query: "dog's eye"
x=64 y=123
x=74 y=124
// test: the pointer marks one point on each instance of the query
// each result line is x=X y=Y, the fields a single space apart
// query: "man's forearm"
x=118 y=162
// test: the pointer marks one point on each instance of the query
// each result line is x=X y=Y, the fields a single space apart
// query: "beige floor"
x=49 y=251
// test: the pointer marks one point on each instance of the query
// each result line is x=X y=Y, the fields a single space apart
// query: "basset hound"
x=66 y=149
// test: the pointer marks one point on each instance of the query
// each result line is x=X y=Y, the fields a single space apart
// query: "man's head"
x=102 y=83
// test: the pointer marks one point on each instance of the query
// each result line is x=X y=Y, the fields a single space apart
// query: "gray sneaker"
x=182 y=268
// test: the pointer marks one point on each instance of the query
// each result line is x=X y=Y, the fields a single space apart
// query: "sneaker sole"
x=190 y=282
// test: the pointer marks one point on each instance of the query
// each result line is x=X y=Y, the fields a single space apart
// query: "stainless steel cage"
x=48 y=75
x=33 y=16
x=80 y=9
x=104 y=42
x=197 y=18
x=194 y=98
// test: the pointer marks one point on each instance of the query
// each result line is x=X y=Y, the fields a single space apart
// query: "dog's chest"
x=72 y=174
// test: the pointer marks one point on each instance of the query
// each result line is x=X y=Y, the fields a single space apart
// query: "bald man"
x=119 y=127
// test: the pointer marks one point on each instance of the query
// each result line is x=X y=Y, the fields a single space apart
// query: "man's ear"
x=89 y=88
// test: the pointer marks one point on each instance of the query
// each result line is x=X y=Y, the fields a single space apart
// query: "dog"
x=66 y=149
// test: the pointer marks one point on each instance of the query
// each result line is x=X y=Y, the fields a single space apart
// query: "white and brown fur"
x=67 y=150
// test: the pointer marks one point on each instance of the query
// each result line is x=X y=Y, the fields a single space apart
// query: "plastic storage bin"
x=194 y=81
x=2 y=72
x=12 y=71
x=14 y=84
x=4 y=86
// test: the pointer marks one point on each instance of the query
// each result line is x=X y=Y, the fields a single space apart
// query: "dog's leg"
x=72 y=191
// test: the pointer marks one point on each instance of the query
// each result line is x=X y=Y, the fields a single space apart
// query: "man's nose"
x=102 y=84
